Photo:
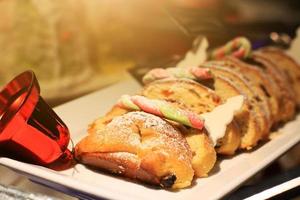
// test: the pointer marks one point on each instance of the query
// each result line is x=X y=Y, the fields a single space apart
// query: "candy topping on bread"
x=189 y=114
x=239 y=47
x=215 y=121
x=140 y=146
x=194 y=73
x=162 y=109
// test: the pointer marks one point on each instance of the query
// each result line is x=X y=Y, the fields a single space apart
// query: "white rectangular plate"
x=85 y=183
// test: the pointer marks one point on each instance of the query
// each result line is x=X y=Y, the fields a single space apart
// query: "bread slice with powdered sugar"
x=139 y=146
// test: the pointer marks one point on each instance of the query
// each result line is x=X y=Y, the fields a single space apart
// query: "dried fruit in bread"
x=140 y=146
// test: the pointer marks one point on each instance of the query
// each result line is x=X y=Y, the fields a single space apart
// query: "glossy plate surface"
x=87 y=184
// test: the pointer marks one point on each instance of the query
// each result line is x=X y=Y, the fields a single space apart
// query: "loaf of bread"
x=166 y=152
x=141 y=146
x=262 y=84
x=287 y=99
x=198 y=98
x=286 y=65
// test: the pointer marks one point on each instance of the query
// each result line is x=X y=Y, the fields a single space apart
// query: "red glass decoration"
x=29 y=128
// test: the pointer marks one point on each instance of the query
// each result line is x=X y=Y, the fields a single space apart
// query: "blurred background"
x=75 y=47
x=78 y=46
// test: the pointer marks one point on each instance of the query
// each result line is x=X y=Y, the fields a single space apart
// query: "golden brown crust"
x=160 y=148
x=231 y=141
x=204 y=154
x=188 y=94
x=287 y=97
x=258 y=107
x=287 y=66
x=101 y=122
x=124 y=163
x=263 y=85
x=144 y=147
x=179 y=90
x=201 y=163
x=246 y=118
x=248 y=80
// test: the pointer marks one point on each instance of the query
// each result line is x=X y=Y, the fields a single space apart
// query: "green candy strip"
x=239 y=47
x=162 y=109
x=173 y=114
x=125 y=101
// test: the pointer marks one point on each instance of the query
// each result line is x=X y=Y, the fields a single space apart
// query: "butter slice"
x=217 y=120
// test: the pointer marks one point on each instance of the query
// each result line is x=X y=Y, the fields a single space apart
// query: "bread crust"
x=224 y=88
x=264 y=86
x=262 y=114
x=188 y=94
x=123 y=163
x=155 y=150
x=246 y=118
x=287 y=66
x=287 y=98
x=231 y=141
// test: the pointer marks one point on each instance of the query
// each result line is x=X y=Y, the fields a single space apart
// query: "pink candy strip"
x=201 y=73
x=194 y=119
x=162 y=109
x=146 y=105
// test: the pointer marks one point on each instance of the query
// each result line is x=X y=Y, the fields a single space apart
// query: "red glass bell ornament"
x=29 y=128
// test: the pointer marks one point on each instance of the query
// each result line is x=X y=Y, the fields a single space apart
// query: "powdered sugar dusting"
x=166 y=138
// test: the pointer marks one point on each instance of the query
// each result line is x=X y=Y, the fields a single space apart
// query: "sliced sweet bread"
x=190 y=95
x=204 y=154
x=245 y=77
x=196 y=98
x=261 y=110
x=263 y=85
x=246 y=119
x=230 y=142
x=140 y=146
x=287 y=98
x=286 y=65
